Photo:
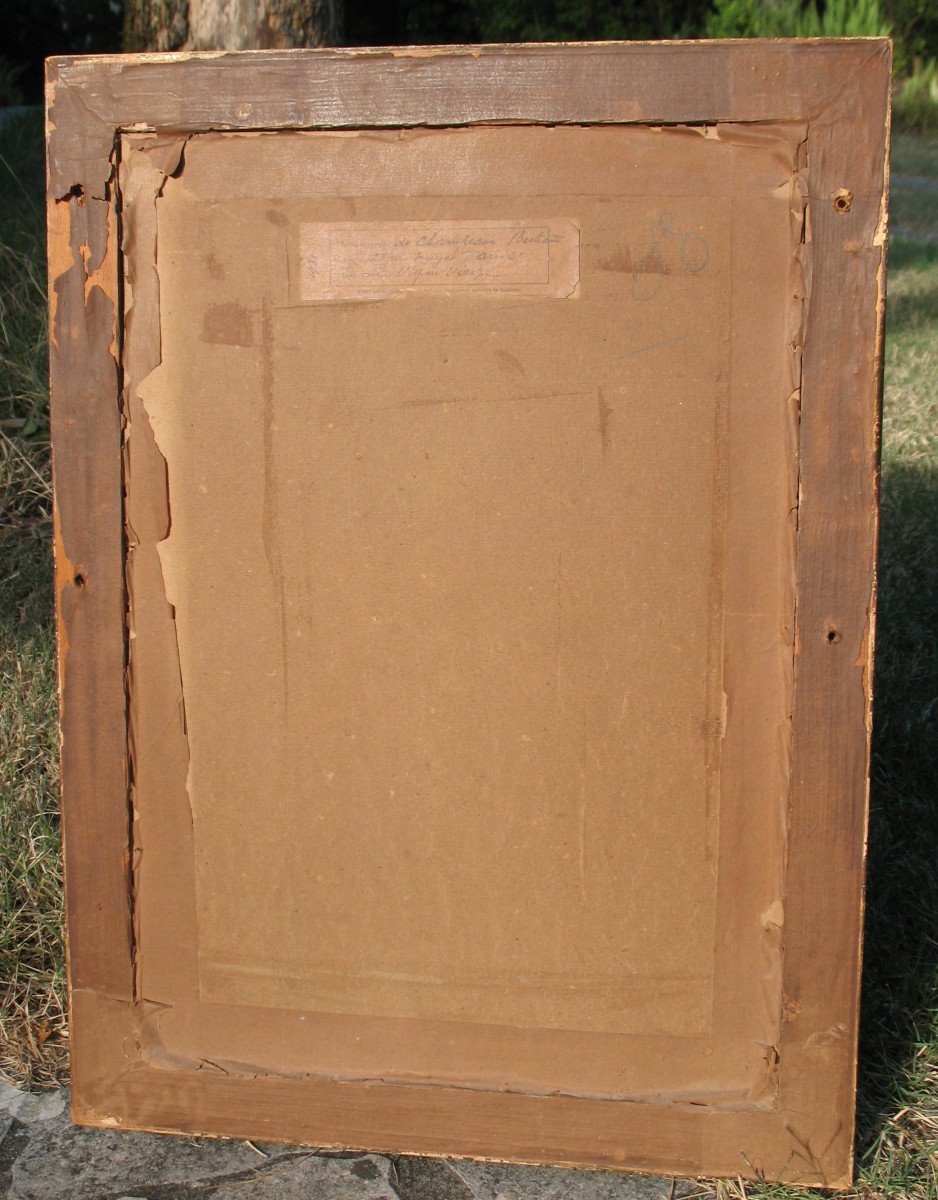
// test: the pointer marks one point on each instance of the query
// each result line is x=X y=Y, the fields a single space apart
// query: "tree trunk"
x=231 y=24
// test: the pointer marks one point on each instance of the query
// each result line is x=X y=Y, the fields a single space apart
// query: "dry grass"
x=33 y=1041
x=33 y=1029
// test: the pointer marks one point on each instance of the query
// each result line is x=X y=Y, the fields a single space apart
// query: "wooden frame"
x=841 y=89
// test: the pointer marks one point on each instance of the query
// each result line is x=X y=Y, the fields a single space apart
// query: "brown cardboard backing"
x=462 y=623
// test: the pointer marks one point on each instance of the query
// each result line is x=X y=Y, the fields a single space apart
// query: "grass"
x=897 y=1134
x=914 y=155
x=33 y=1028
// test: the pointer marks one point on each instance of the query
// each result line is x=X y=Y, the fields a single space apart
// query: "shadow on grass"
x=900 y=983
x=900 y=987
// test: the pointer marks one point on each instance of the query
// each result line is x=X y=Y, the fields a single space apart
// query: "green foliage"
x=915 y=29
x=570 y=20
x=915 y=107
x=795 y=18
x=440 y=21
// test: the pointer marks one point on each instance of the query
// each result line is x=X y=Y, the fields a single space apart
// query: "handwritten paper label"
x=363 y=260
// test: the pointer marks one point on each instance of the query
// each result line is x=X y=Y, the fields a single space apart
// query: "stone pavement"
x=44 y=1157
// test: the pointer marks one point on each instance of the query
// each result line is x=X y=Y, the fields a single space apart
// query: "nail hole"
x=842 y=200
x=75 y=192
x=79 y=580
x=833 y=635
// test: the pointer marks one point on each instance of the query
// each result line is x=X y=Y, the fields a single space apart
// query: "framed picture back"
x=465 y=474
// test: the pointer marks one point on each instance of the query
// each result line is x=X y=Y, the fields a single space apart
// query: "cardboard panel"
x=447 y=575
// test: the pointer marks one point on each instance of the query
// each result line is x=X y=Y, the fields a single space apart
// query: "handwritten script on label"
x=364 y=260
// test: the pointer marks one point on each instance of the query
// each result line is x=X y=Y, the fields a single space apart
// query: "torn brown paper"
x=484 y=602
